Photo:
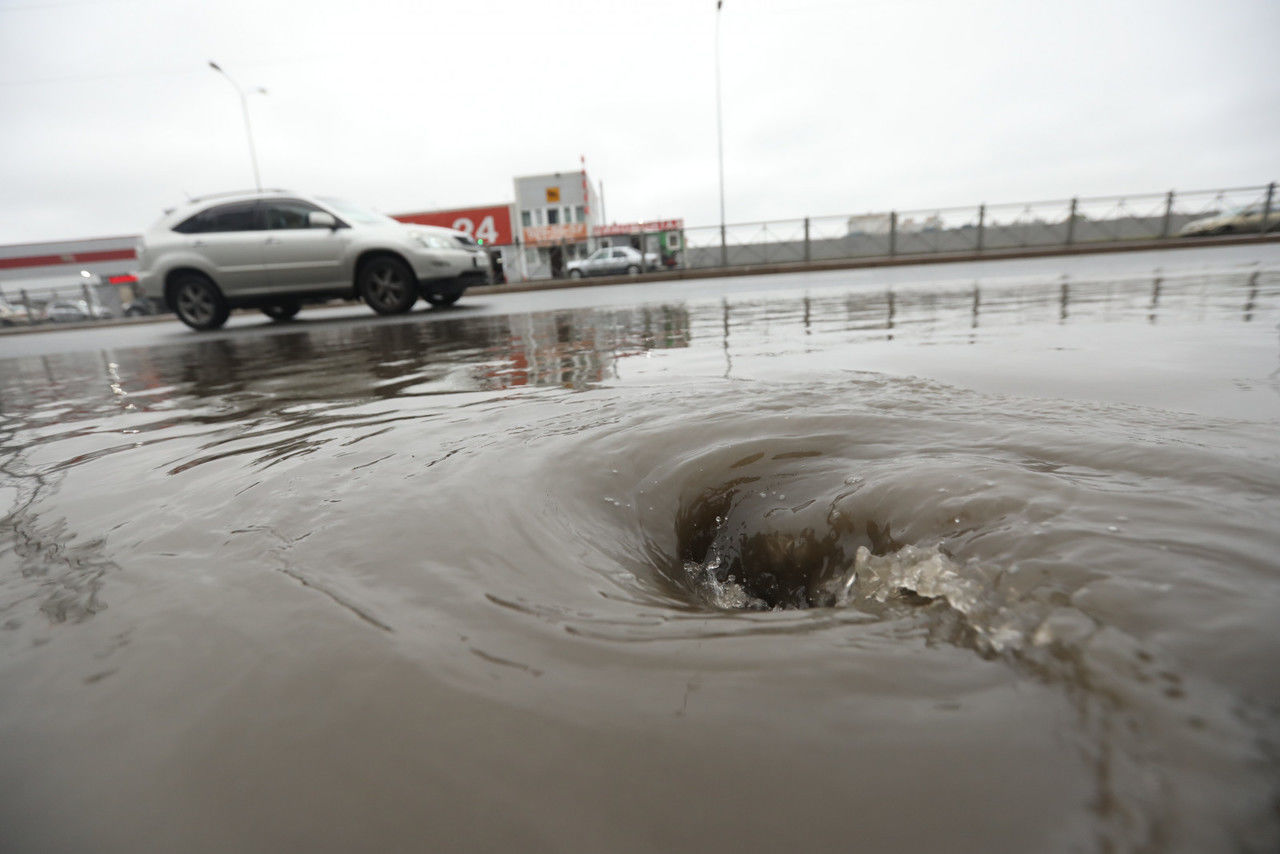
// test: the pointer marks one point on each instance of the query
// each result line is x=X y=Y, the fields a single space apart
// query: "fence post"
x=724 y=248
x=893 y=232
x=26 y=303
x=982 y=223
x=1266 y=206
x=84 y=289
x=1168 y=215
x=806 y=238
x=1071 y=223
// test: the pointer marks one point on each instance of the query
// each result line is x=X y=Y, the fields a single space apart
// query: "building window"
x=581 y=213
x=568 y=214
x=537 y=216
x=553 y=216
x=531 y=256
x=525 y=219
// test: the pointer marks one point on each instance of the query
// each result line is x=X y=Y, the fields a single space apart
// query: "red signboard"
x=550 y=235
x=637 y=227
x=490 y=224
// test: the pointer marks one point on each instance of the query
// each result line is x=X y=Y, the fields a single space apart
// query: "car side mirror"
x=320 y=219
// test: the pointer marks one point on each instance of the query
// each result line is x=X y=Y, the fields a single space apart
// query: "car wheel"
x=387 y=285
x=442 y=300
x=198 y=302
x=633 y=270
x=575 y=274
x=284 y=310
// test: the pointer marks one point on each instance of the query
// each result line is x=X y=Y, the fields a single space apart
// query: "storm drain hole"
x=739 y=549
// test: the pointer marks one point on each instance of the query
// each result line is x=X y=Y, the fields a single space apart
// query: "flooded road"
x=984 y=565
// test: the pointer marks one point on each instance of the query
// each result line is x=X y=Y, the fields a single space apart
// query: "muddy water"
x=965 y=567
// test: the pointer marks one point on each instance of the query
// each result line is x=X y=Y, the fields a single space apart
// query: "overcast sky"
x=112 y=113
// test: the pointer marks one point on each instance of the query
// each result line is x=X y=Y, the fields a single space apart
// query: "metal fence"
x=1020 y=225
x=78 y=303
x=935 y=231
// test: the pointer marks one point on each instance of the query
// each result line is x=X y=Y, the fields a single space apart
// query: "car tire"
x=198 y=302
x=387 y=285
x=633 y=270
x=283 y=310
x=575 y=274
x=442 y=300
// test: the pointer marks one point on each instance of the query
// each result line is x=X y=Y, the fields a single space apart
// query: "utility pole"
x=244 y=106
x=724 y=249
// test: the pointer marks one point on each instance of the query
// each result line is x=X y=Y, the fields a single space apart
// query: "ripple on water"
x=831 y=562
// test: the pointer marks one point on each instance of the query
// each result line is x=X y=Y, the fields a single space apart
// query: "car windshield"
x=354 y=213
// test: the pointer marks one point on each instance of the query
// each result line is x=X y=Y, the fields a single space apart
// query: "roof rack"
x=208 y=196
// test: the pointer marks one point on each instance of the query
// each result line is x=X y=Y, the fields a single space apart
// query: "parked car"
x=13 y=315
x=614 y=260
x=275 y=250
x=1240 y=220
x=485 y=261
x=75 y=311
x=68 y=311
x=141 y=307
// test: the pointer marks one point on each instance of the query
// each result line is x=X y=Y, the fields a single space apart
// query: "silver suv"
x=275 y=250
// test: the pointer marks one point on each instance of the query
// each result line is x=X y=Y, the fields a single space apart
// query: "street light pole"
x=724 y=249
x=244 y=106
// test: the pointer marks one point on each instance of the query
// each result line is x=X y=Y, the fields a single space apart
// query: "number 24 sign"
x=486 y=232
x=492 y=224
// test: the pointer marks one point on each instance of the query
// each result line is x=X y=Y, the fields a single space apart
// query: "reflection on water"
x=575 y=349
x=970 y=567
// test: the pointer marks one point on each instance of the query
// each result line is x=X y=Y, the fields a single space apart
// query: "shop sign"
x=637 y=227
x=491 y=224
x=553 y=194
x=548 y=235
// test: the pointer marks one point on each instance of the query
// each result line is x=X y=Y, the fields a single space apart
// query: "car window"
x=598 y=254
x=289 y=213
x=619 y=253
x=240 y=216
x=355 y=213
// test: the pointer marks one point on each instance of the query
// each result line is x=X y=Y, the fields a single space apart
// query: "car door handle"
x=197 y=243
x=271 y=240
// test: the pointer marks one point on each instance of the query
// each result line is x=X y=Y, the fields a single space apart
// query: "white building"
x=555 y=215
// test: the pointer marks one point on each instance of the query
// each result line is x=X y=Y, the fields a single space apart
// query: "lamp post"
x=724 y=249
x=89 y=296
x=244 y=106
